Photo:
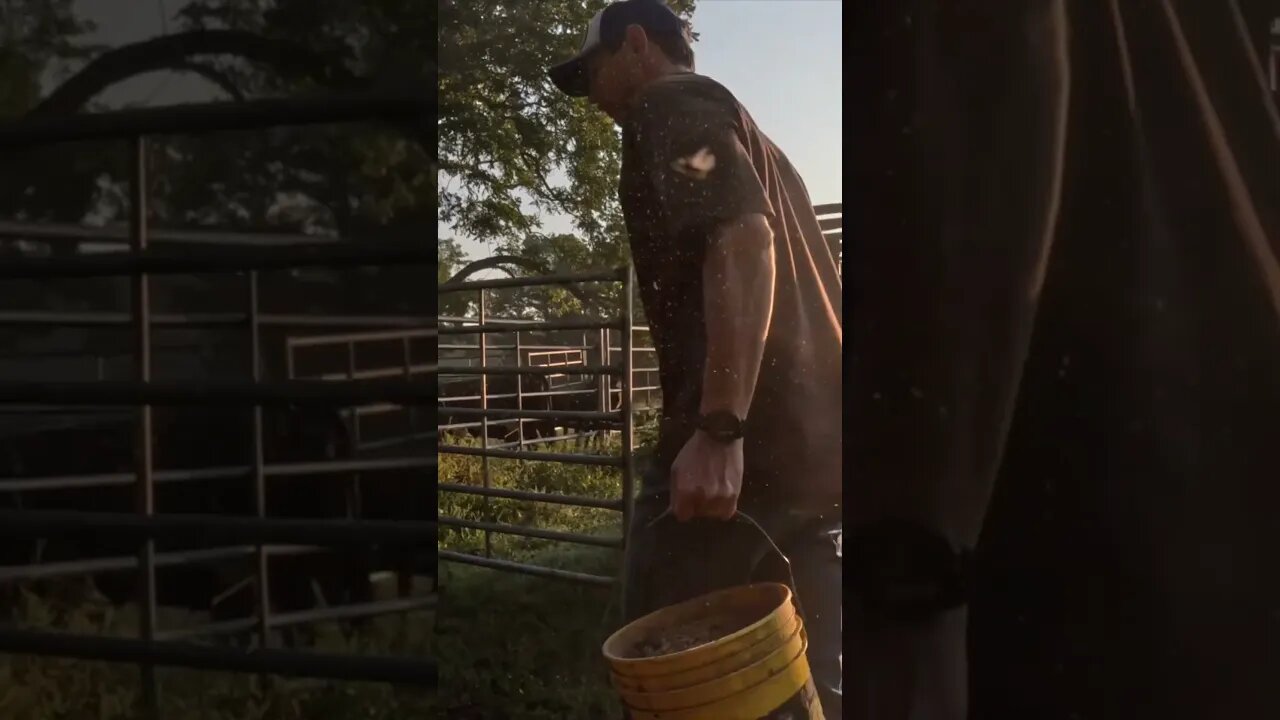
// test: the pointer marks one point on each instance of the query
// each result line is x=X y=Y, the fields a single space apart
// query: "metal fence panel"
x=573 y=371
x=257 y=533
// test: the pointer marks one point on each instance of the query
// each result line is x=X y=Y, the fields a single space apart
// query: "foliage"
x=36 y=36
x=450 y=258
x=348 y=180
x=581 y=480
x=355 y=180
x=561 y=253
x=507 y=137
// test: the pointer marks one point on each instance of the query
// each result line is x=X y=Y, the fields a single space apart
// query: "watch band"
x=721 y=425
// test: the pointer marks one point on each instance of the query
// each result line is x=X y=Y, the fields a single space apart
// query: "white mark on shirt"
x=697 y=165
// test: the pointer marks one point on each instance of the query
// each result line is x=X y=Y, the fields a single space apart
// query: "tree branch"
x=584 y=296
x=213 y=75
x=170 y=51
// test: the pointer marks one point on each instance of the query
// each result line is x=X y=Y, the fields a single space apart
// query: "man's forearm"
x=737 y=281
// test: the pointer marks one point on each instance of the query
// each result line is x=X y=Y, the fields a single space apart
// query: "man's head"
x=628 y=44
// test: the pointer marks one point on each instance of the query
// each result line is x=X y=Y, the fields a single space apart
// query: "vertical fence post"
x=144 y=489
x=354 y=412
x=519 y=393
x=288 y=358
x=628 y=414
x=484 y=424
x=603 y=381
x=408 y=376
x=356 y=436
x=259 y=475
x=605 y=360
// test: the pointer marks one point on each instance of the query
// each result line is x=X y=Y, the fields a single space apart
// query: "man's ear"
x=637 y=40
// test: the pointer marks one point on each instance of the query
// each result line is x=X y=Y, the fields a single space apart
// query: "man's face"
x=607 y=77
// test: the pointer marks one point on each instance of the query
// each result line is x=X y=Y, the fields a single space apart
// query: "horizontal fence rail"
x=259 y=536
x=196 y=528
x=502 y=326
x=240 y=259
x=523 y=568
x=532 y=370
x=369 y=668
x=354 y=611
x=206 y=320
x=73 y=568
x=117 y=235
x=162 y=477
x=618 y=275
x=197 y=118
x=209 y=393
x=831 y=221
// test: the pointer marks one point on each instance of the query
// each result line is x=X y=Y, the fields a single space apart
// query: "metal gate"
x=831 y=220
x=482 y=417
x=156 y=647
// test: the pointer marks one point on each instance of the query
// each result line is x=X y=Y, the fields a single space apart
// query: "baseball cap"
x=606 y=30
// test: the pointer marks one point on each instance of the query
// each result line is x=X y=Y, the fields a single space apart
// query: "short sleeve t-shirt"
x=692 y=160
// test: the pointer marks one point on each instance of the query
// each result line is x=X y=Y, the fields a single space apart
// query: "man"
x=743 y=300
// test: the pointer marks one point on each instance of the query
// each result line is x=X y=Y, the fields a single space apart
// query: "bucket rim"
x=766 y=643
x=616 y=660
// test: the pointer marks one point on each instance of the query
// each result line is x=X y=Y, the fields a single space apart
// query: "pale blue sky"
x=782 y=59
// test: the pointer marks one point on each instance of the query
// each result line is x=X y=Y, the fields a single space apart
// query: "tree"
x=450 y=258
x=510 y=145
x=36 y=36
x=352 y=181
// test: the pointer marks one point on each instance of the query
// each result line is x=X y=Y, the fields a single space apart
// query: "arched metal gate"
x=253 y=535
x=608 y=417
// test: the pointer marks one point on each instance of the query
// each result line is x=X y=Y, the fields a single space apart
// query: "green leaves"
x=515 y=146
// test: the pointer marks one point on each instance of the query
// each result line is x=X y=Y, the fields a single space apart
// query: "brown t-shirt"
x=693 y=159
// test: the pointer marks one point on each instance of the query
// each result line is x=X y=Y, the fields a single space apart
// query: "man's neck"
x=662 y=72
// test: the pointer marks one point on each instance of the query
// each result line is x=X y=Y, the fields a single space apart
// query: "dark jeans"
x=671 y=561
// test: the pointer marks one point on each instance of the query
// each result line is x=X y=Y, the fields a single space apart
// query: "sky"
x=782 y=59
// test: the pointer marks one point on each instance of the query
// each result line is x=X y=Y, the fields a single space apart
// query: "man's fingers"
x=721 y=507
x=729 y=508
x=683 y=507
x=684 y=501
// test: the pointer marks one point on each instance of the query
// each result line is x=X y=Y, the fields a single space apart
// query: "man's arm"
x=709 y=193
x=737 y=290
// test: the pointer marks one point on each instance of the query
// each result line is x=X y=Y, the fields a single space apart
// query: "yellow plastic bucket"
x=754 y=664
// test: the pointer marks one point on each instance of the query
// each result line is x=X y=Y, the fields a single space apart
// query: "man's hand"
x=706 y=479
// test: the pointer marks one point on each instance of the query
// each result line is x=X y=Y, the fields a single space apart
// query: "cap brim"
x=570 y=76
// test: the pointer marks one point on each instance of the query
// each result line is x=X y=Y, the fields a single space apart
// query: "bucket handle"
x=743 y=517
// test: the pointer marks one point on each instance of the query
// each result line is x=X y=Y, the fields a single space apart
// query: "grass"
x=509 y=646
x=513 y=646
x=51 y=688
x=45 y=688
x=517 y=646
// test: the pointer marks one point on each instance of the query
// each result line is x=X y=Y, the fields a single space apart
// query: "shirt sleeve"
x=701 y=172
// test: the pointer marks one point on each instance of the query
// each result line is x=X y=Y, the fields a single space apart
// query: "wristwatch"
x=721 y=425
